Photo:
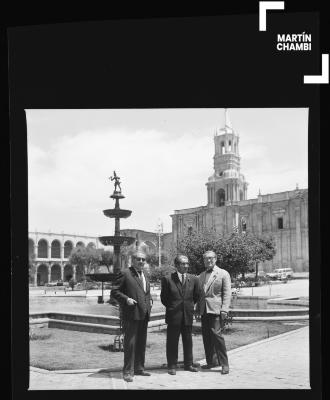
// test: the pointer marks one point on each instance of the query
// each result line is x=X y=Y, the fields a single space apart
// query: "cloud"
x=162 y=169
x=157 y=175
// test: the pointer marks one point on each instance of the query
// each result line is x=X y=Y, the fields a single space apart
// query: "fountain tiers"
x=117 y=213
x=116 y=240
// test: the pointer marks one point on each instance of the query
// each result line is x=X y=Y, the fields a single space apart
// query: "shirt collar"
x=138 y=272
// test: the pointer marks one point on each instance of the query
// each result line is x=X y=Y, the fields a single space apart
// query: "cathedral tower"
x=227 y=185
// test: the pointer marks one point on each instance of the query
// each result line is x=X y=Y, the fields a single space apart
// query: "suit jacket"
x=216 y=293
x=128 y=284
x=179 y=299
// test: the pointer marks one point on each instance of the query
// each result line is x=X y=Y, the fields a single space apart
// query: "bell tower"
x=227 y=185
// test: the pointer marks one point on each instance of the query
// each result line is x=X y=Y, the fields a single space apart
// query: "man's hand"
x=131 y=302
x=223 y=314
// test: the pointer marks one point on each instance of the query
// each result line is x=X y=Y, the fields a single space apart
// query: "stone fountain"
x=117 y=240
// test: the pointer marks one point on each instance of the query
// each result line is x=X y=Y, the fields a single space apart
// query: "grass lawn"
x=61 y=349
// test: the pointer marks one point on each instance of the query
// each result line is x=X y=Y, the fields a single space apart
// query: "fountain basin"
x=110 y=324
x=117 y=213
x=116 y=240
x=117 y=195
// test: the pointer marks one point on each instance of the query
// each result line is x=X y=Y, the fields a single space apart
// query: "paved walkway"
x=293 y=288
x=280 y=362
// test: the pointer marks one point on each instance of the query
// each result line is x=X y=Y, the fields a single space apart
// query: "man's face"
x=209 y=260
x=138 y=261
x=183 y=265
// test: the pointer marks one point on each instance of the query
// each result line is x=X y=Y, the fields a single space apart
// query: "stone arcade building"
x=284 y=215
x=52 y=251
x=51 y=255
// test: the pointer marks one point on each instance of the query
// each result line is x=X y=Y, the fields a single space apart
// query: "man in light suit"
x=213 y=307
x=132 y=291
x=180 y=292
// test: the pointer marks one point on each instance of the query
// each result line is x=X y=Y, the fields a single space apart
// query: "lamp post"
x=159 y=232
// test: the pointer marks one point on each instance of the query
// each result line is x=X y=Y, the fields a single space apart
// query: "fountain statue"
x=116 y=241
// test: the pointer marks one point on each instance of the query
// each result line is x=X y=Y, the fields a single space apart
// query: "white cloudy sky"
x=163 y=157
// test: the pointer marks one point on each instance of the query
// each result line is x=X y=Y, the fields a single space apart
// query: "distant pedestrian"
x=213 y=307
x=179 y=293
x=132 y=290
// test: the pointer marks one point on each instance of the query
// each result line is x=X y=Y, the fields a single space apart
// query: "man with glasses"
x=179 y=293
x=132 y=291
x=213 y=307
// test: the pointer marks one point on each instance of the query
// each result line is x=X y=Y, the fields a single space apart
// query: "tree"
x=85 y=258
x=153 y=258
x=194 y=245
x=155 y=273
x=237 y=252
x=264 y=250
x=72 y=283
x=106 y=258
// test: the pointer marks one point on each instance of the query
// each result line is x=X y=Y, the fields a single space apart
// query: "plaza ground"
x=280 y=362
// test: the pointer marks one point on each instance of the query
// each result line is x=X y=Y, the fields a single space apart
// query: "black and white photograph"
x=187 y=181
x=165 y=204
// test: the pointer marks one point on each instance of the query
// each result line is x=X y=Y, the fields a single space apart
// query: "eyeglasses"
x=140 y=259
x=184 y=263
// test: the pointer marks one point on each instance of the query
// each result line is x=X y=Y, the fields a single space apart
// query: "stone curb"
x=157 y=366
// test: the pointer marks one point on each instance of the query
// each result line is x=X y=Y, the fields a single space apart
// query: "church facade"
x=284 y=215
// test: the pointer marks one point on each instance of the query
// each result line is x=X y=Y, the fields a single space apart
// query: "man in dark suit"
x=213 y=307
x=179 y=293
x=132 y=291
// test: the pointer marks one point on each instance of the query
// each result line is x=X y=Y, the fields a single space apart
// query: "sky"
x=162 y=156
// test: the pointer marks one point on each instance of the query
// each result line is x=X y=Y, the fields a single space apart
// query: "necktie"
x=207 y=276
x=141 y=278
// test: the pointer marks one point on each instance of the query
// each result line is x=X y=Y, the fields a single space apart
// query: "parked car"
x=280 y=273
x=51 y=284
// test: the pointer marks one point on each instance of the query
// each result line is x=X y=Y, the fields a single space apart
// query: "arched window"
x=55 y=274
x=42 y=248
x=31 y=248
x=56 y=249
x=243 y=225
x=80 y=244
x=68 y=272
x=151 y=245
x=91 y=244
x=190 y=230
x=42 y=274
x=222 y=147
x=220 y=197
x=229 y=145
x=68 y=246
x=241 y=195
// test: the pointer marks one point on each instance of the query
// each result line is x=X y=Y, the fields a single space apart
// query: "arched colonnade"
x=49 y=254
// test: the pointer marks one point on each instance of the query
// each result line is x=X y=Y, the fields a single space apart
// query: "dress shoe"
x=142 y=373
x=128 y=378
x=225 y=370
x=191 y=368
x=171 y=371
x=208 y=366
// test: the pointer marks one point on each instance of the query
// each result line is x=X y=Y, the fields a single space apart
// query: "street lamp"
x=159 y=233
